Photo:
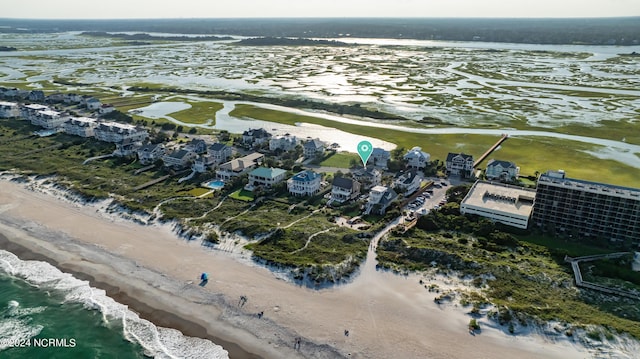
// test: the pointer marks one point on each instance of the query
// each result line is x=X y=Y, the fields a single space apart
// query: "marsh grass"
x=201 y=112
x=530 y=154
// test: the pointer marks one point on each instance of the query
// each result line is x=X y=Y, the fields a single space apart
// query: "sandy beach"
x=156 y=273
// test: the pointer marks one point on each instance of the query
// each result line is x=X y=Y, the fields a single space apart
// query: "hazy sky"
x=74 y=9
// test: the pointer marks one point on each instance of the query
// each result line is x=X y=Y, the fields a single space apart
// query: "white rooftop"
x=84 y=119
x=36 y=107
x=500 y=198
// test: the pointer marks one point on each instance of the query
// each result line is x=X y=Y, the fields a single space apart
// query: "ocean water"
x=45 y=313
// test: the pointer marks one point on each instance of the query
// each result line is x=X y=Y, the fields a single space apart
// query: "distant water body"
x=45 y=313
x=604 y=50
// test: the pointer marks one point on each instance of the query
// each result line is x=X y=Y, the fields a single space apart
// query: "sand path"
x=387 y=315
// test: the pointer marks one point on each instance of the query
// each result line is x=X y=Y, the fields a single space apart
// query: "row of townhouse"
x=126 y=137
x=9 y=110
x=89 y=102
x=116 y=132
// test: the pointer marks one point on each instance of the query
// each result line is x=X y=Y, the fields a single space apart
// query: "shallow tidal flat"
x=589 y=91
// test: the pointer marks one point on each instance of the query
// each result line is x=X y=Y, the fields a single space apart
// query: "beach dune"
x=157 y=274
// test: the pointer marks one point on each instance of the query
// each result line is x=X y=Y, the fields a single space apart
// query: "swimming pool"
x=216 y=184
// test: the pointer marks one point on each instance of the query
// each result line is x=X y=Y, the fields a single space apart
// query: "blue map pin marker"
x=365 y=148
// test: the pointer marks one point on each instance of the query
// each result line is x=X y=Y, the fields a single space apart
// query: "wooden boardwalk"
x=575 y=265
x=490 y=150
x=151 y=183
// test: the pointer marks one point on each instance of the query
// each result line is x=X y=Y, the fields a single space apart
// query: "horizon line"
x=335 y=18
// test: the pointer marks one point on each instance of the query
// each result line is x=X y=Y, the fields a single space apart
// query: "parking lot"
x=434 y=197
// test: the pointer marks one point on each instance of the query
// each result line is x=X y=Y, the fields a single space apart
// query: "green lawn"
x=242 y=195
x=341 y=160
x=199 y=191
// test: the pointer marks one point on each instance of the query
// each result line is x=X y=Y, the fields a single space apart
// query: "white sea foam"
x=157 y=342
x=14 y=324
x=16 y=330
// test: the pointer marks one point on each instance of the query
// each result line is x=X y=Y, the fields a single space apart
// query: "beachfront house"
x=313 y=148
x=344 y=189
x=459 y=164
x=239 y=166
x=407 y=182
x=178 y=159
x=71 y=98
x=49 y=119
x=36 y=96
x=380 y=197
x=196 y=145
x=283 y=142
x=203 y=163
x=55 y=98
x=265 y=177
x=304 y=183
x=80 y=126
x=219 y=152
x=93 y=104
x=106 y=108
x=502 y=170
x=116 y=132
x=9 y=110
x=216 y=153
x=8 y=92
x=368 y=177
x=379 y=158
x=150 y=153
x=417 y=159
x=30 y=112
x=255 y=137
x=126 y=148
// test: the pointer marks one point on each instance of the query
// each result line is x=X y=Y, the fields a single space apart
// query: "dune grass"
x=528 y=279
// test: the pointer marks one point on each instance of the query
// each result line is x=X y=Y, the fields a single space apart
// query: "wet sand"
x=149 y=268
x=154 y=314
